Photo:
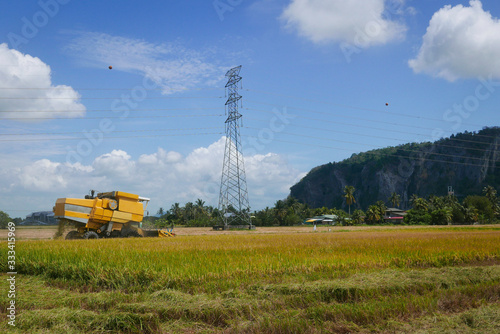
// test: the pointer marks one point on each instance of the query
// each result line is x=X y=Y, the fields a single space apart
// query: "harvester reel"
x=72 y=235
x=90 y=235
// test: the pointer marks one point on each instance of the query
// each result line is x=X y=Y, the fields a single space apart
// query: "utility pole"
x=233 y=198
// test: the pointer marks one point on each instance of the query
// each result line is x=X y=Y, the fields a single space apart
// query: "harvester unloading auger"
x=105 y=215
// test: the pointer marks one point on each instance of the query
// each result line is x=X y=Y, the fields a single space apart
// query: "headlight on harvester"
x=112 y=204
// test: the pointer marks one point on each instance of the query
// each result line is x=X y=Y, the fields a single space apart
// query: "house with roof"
x=40 y=218
x=394 y=216
x=322 y=220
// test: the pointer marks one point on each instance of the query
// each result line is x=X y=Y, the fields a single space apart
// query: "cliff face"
x=467 y=162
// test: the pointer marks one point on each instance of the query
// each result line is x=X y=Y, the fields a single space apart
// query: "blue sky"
x=322 y=79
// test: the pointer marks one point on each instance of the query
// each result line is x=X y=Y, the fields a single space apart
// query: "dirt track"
x=47 y=232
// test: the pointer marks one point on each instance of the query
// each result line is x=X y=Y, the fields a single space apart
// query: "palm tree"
x=471 y=214
x=373 y=214
x=200 y=203
x=357 y=217
x=199 y=206
x=382 y=208
x=188 y=211
x=175 y=210
x=491 y=194
x=420 y=204
x=280 y=211
x=452 y=202
x=293 y=204
x=349 y=197
x=413 y=198
x=160 y=211
x=448 y=215
x=395 y=199
x=435 y=202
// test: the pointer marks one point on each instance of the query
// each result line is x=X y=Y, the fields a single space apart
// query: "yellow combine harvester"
x=106 y=215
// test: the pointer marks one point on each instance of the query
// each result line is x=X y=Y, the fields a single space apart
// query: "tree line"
x=433 y=210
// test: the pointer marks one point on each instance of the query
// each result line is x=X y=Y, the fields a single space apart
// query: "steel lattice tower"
x=233 y=198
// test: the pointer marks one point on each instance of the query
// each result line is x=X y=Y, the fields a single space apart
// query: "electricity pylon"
x=233 y=198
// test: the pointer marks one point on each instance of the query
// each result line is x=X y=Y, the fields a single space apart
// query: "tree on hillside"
x=395 y=199
x=349 y=196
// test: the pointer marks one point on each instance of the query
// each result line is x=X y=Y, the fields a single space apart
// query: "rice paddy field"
x=397 y=280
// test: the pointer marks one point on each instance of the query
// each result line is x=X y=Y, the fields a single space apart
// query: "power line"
x=259 y=110
x=107 y=88
x=371 y=136
x=118 y=131
x=104 y=110
x=370 y=145
x=270 y=104
x=385 y=112
x=107 y=117
x=146 y=136
x=356 y=118
x=370 y=127
x=353 y=107
x=376 y=153
x=110 y=98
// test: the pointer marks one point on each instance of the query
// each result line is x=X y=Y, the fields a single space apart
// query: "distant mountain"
x=467 y=162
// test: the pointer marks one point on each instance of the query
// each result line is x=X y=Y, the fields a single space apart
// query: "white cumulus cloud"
x=42 y=174
x=264 y=170
x=171 y=66
x=26 y=89
x=460 y=42
x=363 y=23
x=117 y=163
x=164 y=176
x=46 y=176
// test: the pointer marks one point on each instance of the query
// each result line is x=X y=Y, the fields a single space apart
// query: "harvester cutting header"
x=105 y=215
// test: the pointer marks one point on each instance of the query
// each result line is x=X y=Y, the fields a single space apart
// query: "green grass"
x=301 y=283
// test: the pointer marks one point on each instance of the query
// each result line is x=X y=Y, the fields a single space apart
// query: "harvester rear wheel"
x=90 y=235
x=72 y=235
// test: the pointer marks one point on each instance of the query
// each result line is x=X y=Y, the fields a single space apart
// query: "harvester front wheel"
x=90 y=235
x=73 y=235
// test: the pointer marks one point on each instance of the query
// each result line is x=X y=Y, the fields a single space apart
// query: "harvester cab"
x=105 y=215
